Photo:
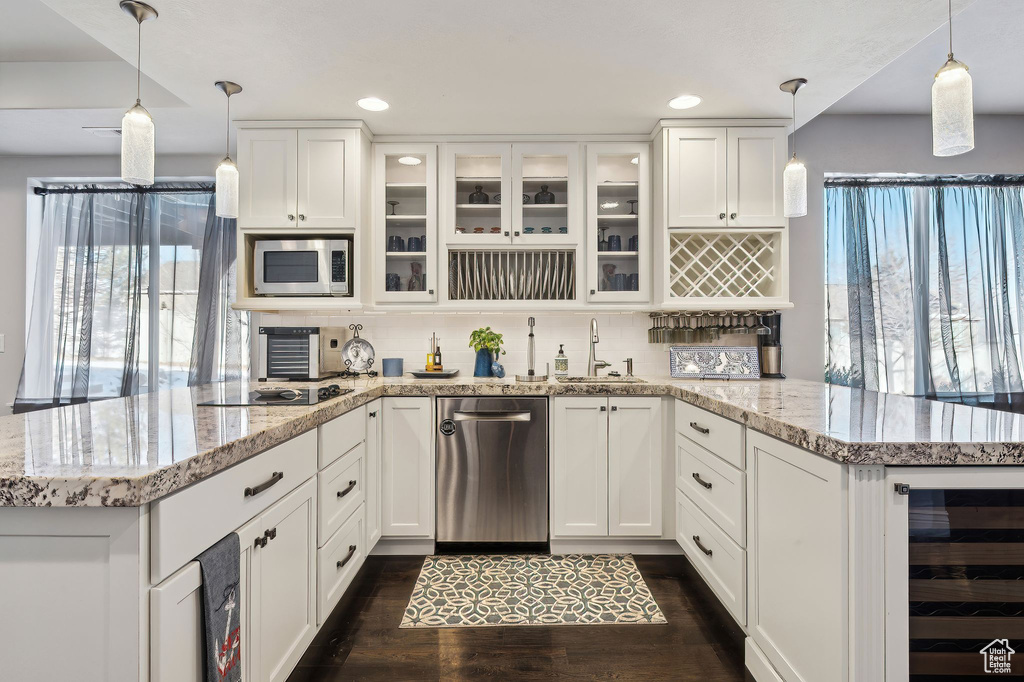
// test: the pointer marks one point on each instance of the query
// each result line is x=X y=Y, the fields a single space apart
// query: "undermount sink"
x=599 y=380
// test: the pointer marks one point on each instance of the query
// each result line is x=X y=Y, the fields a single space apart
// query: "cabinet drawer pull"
x=373 y=414
x=348 y=557
x=257 y=489
x=700 y=429
x=346 y=491
x=696 y=538
x=700 y=480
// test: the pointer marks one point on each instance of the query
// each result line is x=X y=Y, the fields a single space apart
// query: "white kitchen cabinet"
x=283 y=586
x=405 y=223
x=725 y=177
x=477 y=167
x=618 y=214
x=579 y=467
x=268 y=184
x=276 y=598
x=328 y=177
x=374 y=423
x=756 y=157
x=606 y=460
x=176 y=617
x=797 y=564
x=299 y=177
x=545 y=167
x=634 y=466
x=407 y=465
x=697 y=177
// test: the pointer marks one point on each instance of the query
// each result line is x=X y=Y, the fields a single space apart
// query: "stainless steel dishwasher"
x=492 y=470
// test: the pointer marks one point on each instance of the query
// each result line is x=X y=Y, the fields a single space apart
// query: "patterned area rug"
x=530 y=589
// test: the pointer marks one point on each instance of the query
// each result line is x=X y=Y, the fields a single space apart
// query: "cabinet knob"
x=303 y=217
x=592 y=291
x=603 y=408
x=373 y=414
x=430 y=291
x=506 y=233
x=517 y=233
x=615 y=408
x=291 y=216
x=732 y=216
x=721 y=216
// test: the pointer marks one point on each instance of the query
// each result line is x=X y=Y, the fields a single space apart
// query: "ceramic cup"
x=392 y=367
x=414 y=244
x=619 y=281
x=615 y=243
x=634 y=282
x=396 y=244
x=393 y=282
x=634 y=243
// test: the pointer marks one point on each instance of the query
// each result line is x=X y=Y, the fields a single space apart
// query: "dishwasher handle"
x=492 y=416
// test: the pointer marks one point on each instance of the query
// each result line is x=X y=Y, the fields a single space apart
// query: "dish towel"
x=221 y=611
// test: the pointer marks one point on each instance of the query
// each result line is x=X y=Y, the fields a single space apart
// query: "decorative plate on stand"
x=714 y=362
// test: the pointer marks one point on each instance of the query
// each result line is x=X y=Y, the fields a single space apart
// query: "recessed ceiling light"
x=685 y=101
x=635 y=160
x=373 y=104
x=409 y=161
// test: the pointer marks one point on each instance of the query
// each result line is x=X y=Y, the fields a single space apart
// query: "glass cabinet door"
x=544 y=201
x=955 y=579
x=478 y=194
x=618 y=223
x=406 y=223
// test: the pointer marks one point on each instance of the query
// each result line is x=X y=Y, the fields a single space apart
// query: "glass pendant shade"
x=138 y=146
x=952 y=110
x=227 y=189
x=794 y=186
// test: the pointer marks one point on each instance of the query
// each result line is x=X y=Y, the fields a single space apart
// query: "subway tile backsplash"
x=407 y=335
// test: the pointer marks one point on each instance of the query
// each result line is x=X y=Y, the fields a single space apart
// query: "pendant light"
x=952 y=104
x=138 y=145
x=794 y=178
x=227 y=171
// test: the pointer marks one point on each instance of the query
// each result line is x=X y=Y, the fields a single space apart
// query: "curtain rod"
x=199 y=189
x=976 y=180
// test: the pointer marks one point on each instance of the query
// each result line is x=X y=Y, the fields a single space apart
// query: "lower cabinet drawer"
x=721 y=562
x=341 y=488
x=338 y=561
x=186 y=522
x=717 y=488
x=722 y=437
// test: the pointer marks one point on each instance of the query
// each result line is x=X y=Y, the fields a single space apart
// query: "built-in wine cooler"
x=964 y=563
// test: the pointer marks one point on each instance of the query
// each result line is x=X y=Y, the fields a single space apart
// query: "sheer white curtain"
x=116 y=300
x=924 y=279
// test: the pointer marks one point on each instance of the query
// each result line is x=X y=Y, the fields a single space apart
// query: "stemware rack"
x=707 y=326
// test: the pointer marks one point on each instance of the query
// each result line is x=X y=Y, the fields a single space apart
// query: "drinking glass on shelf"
x=392 y=203
x=632 y=206
x=602 y=244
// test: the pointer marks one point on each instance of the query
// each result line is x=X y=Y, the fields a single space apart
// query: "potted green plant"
x=487 y=344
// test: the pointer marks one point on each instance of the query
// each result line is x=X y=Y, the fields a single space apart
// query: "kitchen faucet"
x=594 y=364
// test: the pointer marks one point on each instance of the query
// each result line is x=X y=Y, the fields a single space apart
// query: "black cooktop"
x=303 y=396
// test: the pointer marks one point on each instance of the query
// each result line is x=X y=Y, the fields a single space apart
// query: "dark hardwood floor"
x=361 y=639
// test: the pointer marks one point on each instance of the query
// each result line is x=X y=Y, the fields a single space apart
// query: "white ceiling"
x=986 y=37
x=490 y=66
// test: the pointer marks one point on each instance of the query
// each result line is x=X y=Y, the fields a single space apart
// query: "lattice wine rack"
x=724 y=264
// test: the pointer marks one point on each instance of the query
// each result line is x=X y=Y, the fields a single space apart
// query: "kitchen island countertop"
x=130 y=451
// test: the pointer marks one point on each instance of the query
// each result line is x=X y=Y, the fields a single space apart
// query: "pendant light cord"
x=794 y=124
x=227 y=132
x=138 y=69
x=950 y=8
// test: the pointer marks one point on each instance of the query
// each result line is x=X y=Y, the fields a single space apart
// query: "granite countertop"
x=129 y=451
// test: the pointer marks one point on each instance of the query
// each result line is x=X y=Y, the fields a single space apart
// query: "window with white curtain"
x=131 y=292
x=924 y=277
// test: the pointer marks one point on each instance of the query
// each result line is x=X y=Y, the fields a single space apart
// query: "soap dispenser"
x=561 y=363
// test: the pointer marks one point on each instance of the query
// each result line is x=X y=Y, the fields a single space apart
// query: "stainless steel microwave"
x=302 y=267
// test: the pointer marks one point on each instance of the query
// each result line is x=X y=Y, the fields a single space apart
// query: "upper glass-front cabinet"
x=405 y=223
x=618 y=223
x=508 y=194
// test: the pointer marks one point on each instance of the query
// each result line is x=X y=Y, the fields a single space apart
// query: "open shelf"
x=545 y=206
x=617 y=216
x=618 y=254
x=406 y=254
x=546 y=179
x=481 y=178
x=617 y=184
x=405 y=185
x=477 y=207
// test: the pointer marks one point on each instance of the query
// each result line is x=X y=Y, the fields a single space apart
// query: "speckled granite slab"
x=130 y=451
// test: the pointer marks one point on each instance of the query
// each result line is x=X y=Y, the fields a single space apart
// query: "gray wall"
x=868 y=144
x=15 y=172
